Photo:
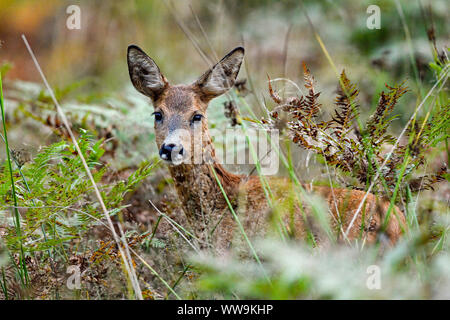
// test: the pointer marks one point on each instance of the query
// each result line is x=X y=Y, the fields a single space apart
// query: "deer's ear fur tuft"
x=221 y=77
x=144 y=73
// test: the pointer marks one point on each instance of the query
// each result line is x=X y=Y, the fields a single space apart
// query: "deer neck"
x=198 y=189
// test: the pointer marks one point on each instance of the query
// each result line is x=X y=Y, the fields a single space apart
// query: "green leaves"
x=439 y=127
x=59 y=199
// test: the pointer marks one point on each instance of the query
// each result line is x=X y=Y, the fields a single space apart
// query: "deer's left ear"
x=221 y=77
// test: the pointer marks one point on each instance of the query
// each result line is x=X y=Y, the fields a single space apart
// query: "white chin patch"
x=176 y=160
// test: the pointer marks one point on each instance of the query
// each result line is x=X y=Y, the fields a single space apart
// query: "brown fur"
x=201 y=196
x=205 y=205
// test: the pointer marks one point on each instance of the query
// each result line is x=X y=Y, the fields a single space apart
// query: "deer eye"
x=197 y=117
x=158 y=116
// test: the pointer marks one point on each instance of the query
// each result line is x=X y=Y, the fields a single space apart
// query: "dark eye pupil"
x=197 y=117
x=158 y=116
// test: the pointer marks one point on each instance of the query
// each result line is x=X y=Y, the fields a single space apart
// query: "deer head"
x=180 y=110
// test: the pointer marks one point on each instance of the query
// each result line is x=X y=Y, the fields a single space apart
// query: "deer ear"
x=221 y=77
x=144 y=73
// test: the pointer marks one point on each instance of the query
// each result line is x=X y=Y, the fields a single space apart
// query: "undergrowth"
x=364 y=154
x=50 y=219
x=56 y=202
x=361 y=150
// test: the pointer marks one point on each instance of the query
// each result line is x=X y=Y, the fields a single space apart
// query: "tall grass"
x=276 y=268
x=22 y=268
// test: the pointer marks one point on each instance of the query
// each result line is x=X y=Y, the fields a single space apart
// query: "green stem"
x=238 y=222
x=24 y=273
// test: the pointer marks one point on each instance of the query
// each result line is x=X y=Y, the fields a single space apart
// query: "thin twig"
x=128 y=264
x=173 y=226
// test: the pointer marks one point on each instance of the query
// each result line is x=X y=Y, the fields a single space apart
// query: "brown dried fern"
x=360 y=154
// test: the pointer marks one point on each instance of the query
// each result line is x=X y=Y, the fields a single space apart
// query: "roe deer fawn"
x=180 y=114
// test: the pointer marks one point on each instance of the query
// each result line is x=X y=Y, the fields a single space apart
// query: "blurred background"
x=88 y=65
x=275 y=33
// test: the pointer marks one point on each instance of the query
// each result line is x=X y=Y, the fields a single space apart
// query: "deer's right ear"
x=144 y=73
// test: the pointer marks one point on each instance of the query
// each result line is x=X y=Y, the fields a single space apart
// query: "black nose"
x=168 y=151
